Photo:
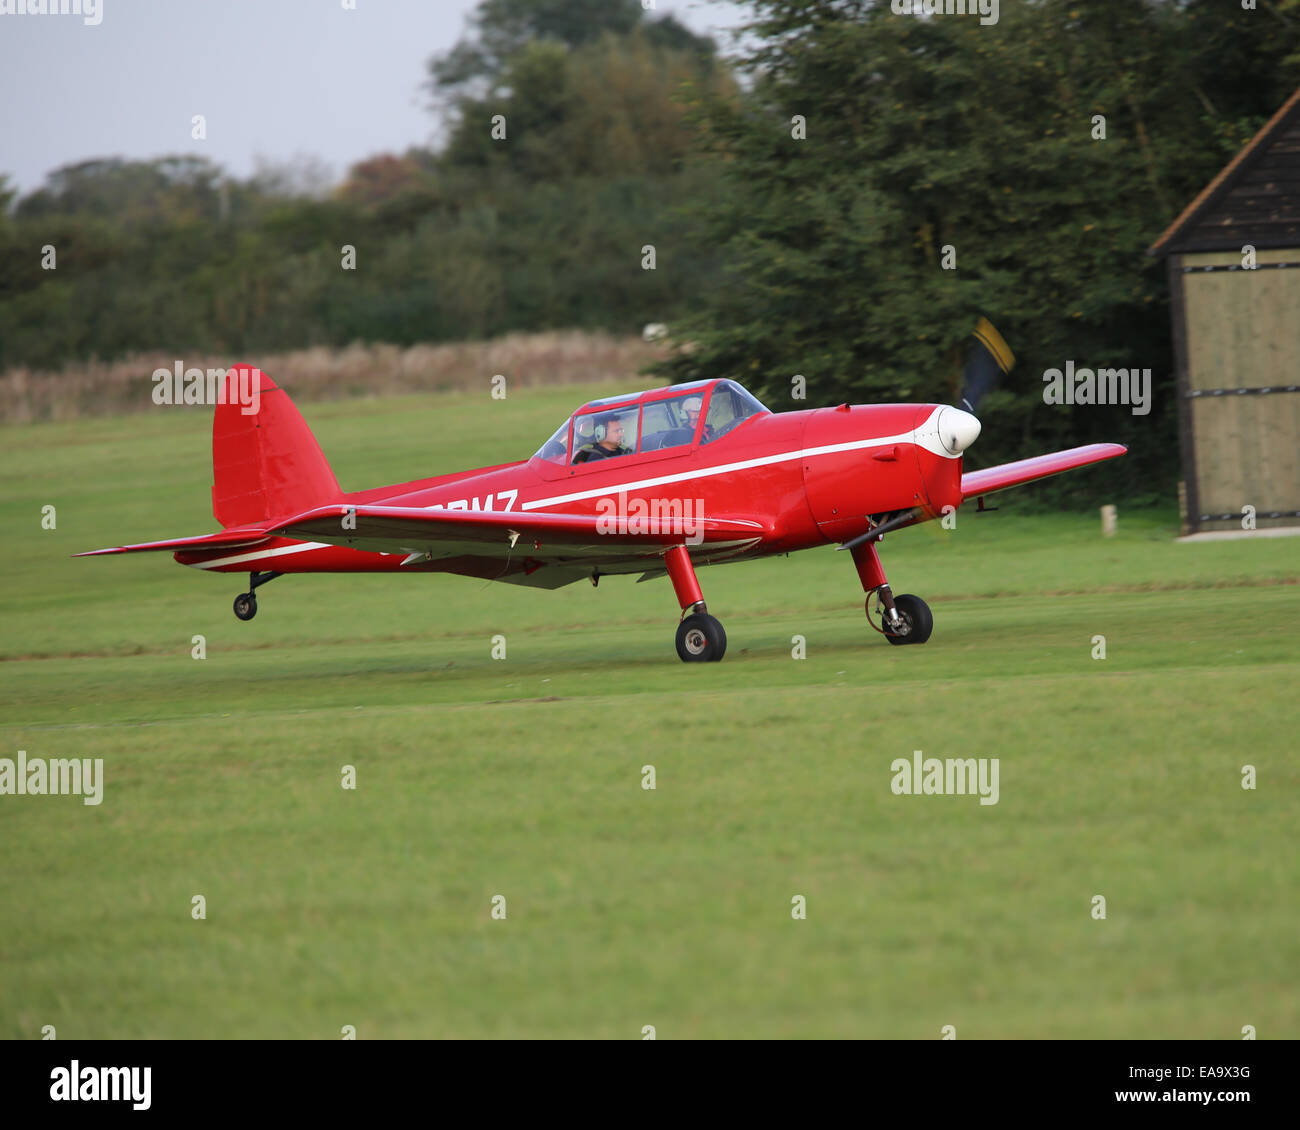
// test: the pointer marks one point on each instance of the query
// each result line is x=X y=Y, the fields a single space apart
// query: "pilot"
x=692 y=407
x=610 y=443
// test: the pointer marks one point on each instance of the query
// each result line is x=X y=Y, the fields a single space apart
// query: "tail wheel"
x=245 y=606
x=701 y=639
x=916 y=621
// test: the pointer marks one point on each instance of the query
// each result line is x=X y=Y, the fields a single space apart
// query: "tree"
x=302 y=175
x=380 y=178
x=931 y=133
x=501 y=29
x=133 y=192
x=614 y=107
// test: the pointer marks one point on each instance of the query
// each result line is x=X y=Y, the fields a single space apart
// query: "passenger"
x=609 y=431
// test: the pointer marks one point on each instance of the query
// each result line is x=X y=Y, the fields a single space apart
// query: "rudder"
x=266 y=463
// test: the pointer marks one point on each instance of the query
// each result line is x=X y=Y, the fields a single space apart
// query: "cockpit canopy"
x=662 y=418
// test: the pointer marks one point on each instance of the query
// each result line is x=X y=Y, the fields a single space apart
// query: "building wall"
x=1242 y=330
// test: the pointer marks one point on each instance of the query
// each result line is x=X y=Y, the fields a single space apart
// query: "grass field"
x=522 y=777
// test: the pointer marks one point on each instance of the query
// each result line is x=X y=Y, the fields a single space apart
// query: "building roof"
x=1255 y=198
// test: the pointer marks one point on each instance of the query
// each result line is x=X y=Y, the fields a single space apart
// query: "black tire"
x=700 y=639
x=245 y=606
x=918 y=622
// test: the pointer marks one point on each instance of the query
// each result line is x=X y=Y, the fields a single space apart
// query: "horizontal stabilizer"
x=227 y=539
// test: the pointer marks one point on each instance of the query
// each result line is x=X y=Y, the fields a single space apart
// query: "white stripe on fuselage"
x=239 y=559
x=745 y=464
x=928 y=441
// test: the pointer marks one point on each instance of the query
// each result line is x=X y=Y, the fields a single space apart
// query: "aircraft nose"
x=957 y=430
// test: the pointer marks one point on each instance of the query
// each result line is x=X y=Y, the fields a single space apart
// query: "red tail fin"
x=264 y=462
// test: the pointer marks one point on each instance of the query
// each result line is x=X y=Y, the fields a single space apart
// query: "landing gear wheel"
x=245 y=606
x=916 y=621
x=700 y=639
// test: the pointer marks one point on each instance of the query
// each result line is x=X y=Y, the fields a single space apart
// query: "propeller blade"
x=990 y=357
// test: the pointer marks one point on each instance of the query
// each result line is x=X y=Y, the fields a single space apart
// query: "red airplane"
x=652 y=483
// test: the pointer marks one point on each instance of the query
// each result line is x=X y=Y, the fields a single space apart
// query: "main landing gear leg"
x=246 y=602
x=700 y=638
x=904 y=619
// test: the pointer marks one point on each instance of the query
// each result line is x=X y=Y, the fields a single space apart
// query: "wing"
x=1039 y=467
x=431 y=534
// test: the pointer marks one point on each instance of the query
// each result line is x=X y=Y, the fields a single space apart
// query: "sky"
x=275 y=79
